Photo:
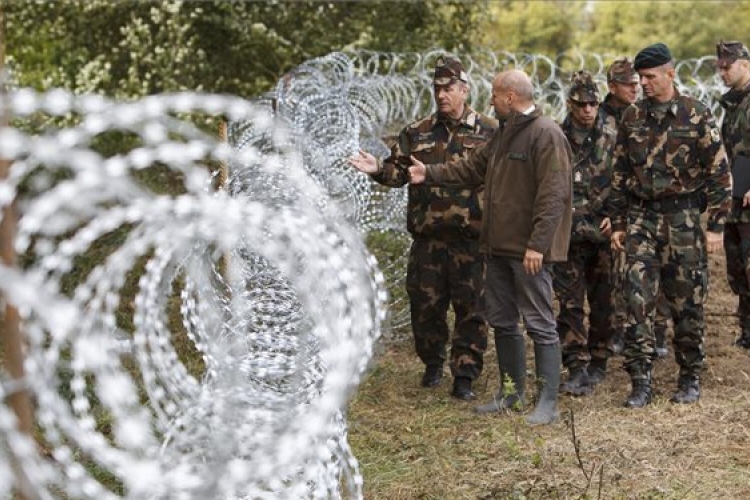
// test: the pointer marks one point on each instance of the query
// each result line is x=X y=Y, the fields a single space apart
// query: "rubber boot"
x=511 y=361
x=548 y=360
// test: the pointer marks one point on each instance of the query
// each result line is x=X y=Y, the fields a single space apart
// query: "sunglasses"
x=581 y=105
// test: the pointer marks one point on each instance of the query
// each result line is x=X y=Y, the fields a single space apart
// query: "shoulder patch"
x=517 y=156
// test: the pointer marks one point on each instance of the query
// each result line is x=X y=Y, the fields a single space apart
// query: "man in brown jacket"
x=526 y=172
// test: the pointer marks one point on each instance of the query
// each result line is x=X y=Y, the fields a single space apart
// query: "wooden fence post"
x=12 y=343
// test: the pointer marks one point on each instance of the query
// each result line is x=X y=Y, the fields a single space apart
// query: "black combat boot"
x=743 y=340
x=462 y=389
x=511 y=360
x=640 y=394
x=688 y=390
x=433 y=374
x=548 y=362
x=578 y=383
x=597 y=370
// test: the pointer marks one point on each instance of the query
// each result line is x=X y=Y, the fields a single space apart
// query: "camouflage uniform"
x=735 y=131
x=445 y=265
x=588 y=272
x=668 y=163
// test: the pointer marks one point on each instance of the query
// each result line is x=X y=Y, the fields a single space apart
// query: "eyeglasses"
x=583 y=104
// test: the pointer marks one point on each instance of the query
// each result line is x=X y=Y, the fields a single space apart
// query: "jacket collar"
x=469 y=119
x=673 y=105
x=732 y=98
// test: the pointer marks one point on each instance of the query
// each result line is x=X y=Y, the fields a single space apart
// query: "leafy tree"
x=135 y=48
x=690 y=29
x=533 y=27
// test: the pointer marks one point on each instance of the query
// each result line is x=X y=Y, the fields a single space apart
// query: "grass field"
x=415 y=443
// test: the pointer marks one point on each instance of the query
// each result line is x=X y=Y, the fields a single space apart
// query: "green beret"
x=652 y=56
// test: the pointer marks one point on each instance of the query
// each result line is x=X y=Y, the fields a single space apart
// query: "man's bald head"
x=516 y=81
x=512 y=90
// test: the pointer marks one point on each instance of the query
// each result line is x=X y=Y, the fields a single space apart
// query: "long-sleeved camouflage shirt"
x=592 y=176
x=680 y=154
x=611 y=115
x=735 y=131
x=435 y=211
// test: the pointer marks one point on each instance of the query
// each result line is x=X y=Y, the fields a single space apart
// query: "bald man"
x=526 y=172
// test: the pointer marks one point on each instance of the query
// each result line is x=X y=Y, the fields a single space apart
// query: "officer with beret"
x=733 y=65
x=623 y=83
x=588 y=273
x=669 y=162
x=445 y=265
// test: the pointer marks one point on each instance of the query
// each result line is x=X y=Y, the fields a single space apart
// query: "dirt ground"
x=415 y=443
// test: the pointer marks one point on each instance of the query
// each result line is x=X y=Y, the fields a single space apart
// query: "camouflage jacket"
x=433 y=211
x=678 y=155
x=610 y=115
x=592 y=175
x=735 y=131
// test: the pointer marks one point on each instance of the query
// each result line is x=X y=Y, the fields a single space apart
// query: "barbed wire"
x=269 y=290
x=341 y=102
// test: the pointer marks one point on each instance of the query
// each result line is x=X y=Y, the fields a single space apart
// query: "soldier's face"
x=734 y=75
x=583 y=113
x=450 y=99
x=657 y=83
x=625 y=93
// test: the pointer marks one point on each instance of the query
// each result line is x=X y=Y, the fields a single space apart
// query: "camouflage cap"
x=622 y=71
x=448 y=69
x=583 y=88
x=728 y=52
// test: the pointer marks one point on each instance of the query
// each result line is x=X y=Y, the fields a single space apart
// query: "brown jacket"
x=526 y=171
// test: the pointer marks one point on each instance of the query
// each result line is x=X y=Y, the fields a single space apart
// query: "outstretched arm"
x=364 y=162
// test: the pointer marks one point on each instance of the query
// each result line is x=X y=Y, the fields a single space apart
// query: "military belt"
x=669 y=204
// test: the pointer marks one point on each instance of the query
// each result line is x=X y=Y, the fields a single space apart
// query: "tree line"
x=130 y=49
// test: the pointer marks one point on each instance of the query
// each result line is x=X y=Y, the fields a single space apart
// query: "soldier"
x=733 y=65
x=588 y=273
x=526 y=171
x=622 y=81
x=669 y=160
x=445 y=266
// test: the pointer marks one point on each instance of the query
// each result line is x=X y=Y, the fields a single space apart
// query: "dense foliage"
x=128 y=49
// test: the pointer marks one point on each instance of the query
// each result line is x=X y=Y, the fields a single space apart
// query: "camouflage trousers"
x=443 y=273
x=587 y=274
x=737 y=248
x=663 y=313
x=665 y=252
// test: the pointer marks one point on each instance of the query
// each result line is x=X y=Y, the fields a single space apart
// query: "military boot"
x=597 y=370
x=578 y=383
x=433 y=374
x=688 y=390
x=511 y=360
x=462 y=389
x=548 y=362
x=744 y=340
x=640 y=393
